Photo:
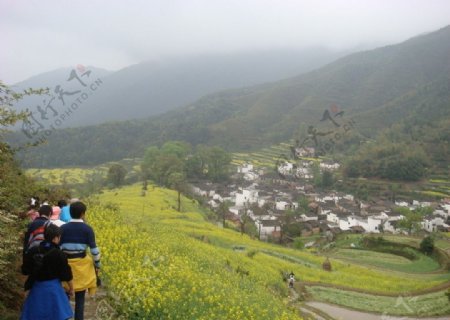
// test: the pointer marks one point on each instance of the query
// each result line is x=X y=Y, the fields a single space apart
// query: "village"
x=269 y=199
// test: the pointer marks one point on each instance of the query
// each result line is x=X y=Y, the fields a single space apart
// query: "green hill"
x=404 y=84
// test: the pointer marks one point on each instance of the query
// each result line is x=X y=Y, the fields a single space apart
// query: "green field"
x=433 y=304
x=73 y=176
x=387 y=261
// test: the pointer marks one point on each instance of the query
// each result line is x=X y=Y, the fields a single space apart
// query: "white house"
x=245 y=168
x=267 y=227
x=200 y=191
x=303 y=173
x=431 y=223
x=247 y=196
x=332 y=217
x=305 y=152
x=391 y=226
x=250 y=176
x=309 y=217
x=214 y=203
x=286 y=168
x=329 y=166
x=285 y=205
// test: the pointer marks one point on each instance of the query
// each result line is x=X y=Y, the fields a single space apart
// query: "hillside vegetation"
x=162 y=263
x=400 y=88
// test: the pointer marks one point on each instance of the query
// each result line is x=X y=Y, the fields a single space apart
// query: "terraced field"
x=266 y=157
x=71 y=176
x=146 y=238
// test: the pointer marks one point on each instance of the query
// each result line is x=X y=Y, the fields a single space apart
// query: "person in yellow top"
x=77 y=238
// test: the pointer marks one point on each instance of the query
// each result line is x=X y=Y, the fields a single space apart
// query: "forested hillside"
x=402 y=88
x=157 y=86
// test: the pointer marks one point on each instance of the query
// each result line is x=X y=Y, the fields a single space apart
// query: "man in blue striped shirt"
x=77 y=237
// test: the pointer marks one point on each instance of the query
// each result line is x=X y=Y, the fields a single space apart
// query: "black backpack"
x=38 y=261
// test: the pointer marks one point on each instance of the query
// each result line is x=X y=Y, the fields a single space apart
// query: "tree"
x=303 y=204
x=222 y=211
x=8 y=115
x=159 y=164
x=427 y=245
x=411 y=220
x=215 y=162
x=317 y=176
x=15 y=189
x=116 y=174
x=177 y=181
x=327 y=179
x=149 y=161
x=180 y=149
x=298 y=243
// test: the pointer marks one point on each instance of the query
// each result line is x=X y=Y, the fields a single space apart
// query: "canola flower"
x=162 y=264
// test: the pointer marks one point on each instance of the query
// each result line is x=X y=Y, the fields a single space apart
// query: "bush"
x=427 y=245
x=298 y=243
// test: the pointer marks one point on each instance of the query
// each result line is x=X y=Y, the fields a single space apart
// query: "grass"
x=388 y=261
x=433 y=304
x=79 y=175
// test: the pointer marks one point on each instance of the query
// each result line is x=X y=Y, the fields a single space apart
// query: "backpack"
x=37 y=236
x=38 y=261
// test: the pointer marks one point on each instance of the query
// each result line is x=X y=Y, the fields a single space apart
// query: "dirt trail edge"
x=340 y=313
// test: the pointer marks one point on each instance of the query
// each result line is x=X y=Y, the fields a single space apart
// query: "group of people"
x=61 y=260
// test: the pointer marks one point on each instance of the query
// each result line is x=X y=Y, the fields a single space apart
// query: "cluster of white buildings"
x=333 y=211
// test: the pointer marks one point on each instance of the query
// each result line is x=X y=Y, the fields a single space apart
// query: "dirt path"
x=98 y=307
x=340 y=313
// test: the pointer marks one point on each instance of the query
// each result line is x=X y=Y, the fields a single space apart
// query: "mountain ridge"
x=361 y=85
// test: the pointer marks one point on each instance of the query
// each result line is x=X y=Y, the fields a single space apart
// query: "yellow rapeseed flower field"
x=162 y=264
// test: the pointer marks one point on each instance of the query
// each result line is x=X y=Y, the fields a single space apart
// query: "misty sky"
x=39 y=36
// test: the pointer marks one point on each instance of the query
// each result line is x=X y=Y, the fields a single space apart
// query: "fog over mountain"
x=45 y=35
x=153 y=87
x=403 y=85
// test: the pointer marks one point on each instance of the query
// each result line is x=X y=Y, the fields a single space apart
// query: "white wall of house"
x=373 y=224
x=431 y=225
x=250 y=176
x=199 y=191
x=281 y=205
x=234 y=210
x=332 y=217
x=213 y=203
x=388 y=227
x=304 y=217
x=245 y=168
x=327 y=166
x=261 y=202
x=247 y=196
x=344 y=224
x=402 y=203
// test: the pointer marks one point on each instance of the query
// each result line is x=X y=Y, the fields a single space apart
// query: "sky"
x=40 y=36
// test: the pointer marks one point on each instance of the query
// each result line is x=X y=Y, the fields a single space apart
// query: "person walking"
x=35 y=231
x=46 y=266
x=77 y=238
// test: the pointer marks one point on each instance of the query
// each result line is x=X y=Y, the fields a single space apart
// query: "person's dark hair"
x=62 y=203
x=77 y=209
x=51 y=231
x=45 y=210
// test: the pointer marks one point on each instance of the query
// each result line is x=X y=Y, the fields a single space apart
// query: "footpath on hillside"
x=98 y=307
x=339 y=313
x=325 y=311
